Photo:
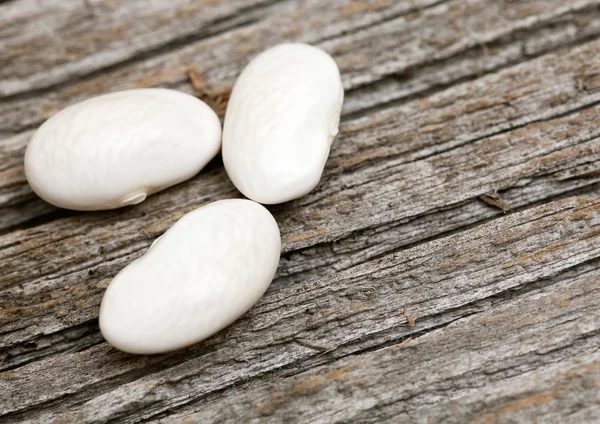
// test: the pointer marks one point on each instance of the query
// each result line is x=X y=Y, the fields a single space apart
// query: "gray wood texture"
x=446 y=269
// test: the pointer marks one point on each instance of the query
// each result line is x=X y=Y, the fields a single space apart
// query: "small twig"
x=496 y=202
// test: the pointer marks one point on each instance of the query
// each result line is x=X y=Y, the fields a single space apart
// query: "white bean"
x=116 y=149
x=197 y=278
x=281 y=119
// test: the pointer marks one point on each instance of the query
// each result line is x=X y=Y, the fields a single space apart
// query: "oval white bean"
x=281 y=119
x=116 y=149
x=197 y=278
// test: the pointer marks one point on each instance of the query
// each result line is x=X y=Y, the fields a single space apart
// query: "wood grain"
x=480 y=45
x=454 y=374
x=100 y=34
x=354 y=202
x=360 y=309
x=444 y=270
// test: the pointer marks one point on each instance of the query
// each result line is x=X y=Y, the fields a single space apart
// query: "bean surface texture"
x=281 y=119
x=197 y=278
x=114 y=150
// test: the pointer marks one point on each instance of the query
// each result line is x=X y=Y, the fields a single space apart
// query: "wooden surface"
x=446 y=269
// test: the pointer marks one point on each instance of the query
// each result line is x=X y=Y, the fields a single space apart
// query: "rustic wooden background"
x=446 y=269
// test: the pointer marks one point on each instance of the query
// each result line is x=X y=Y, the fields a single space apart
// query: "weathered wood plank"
x=47 y=45
x=533 y=359
x=481 y=47
x=457 y=112
x=357 y=310
x=355 y=214
x=390 y=47
x=98 y=34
